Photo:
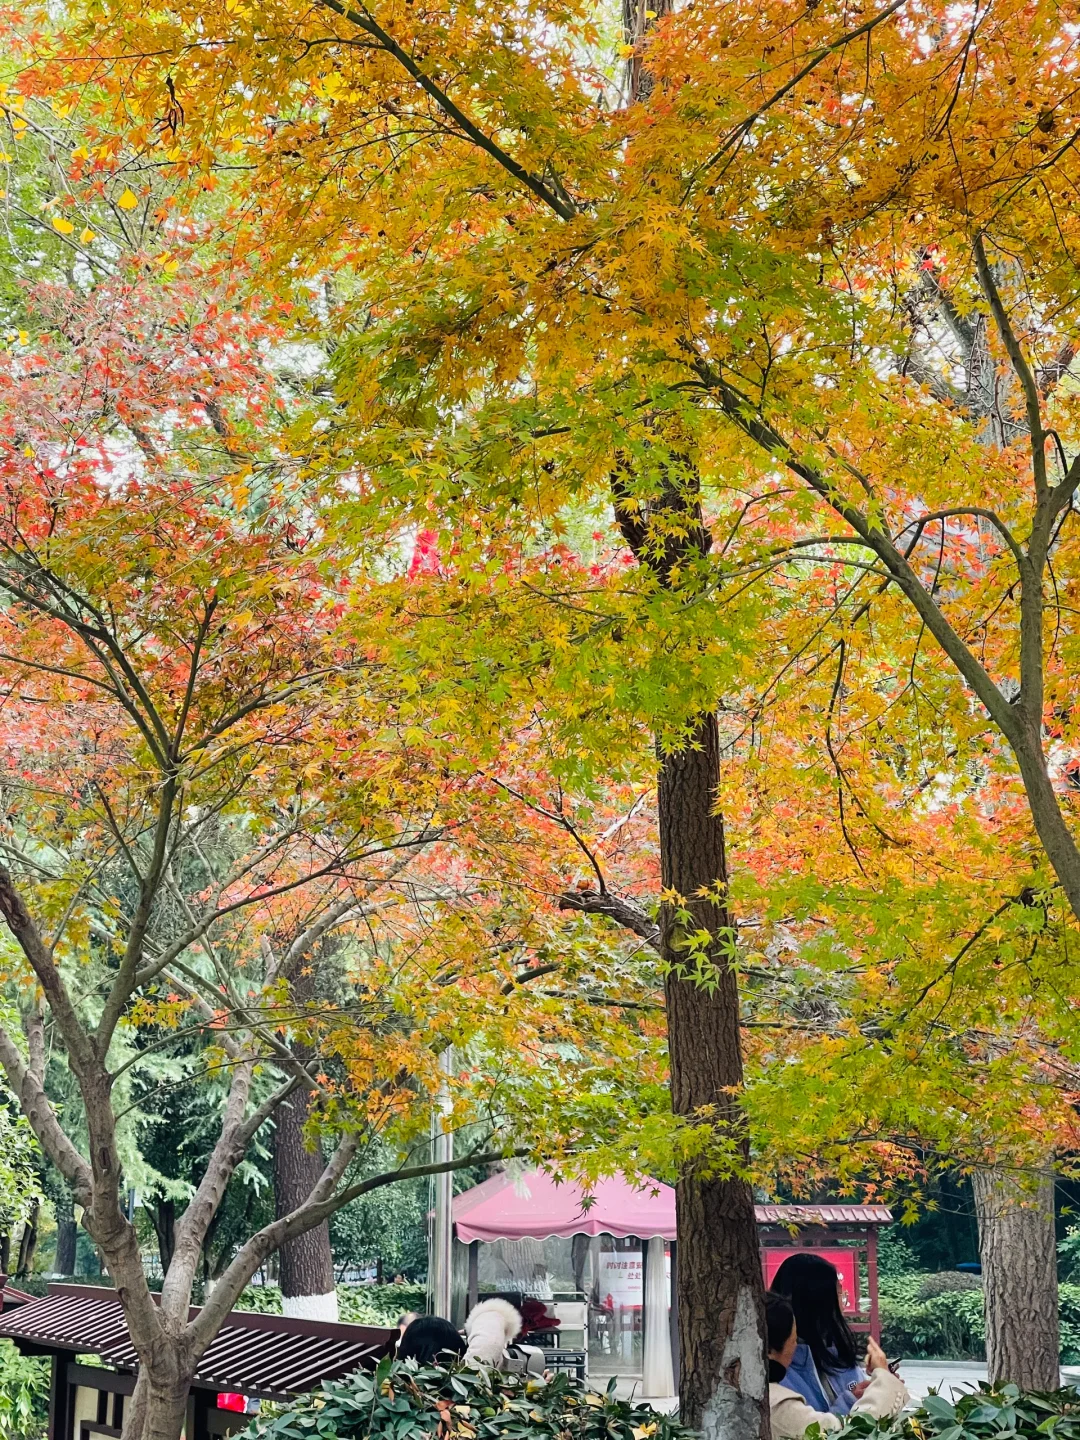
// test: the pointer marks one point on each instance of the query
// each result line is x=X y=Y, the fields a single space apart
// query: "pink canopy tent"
x=531 y=1206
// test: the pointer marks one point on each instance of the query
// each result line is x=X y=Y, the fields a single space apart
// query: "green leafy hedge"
x=24 y=1394
x=983 y=1414
x=400 y=1401
x=951 y=1326
x=357 y=1304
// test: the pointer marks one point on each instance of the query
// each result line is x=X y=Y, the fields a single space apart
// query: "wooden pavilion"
x=266 y=1357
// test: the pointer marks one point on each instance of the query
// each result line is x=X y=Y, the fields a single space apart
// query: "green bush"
x=983 y=1414
x=1069 y=1317
x=895 y=1255
x=1069 y=1255
x=948 y=1327
x=260 y=1300
x=357 y=1304
x=901 y=1289
x=24 y=1394
x=400 y=1401
x=951 y=1326
x=946 y=1282
x=379 y=1304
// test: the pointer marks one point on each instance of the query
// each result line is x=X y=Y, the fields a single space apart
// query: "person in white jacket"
x=491 y=1327
x=883 y=1394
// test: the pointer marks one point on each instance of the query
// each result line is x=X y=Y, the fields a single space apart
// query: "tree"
x=737 y=311
x=203 y=783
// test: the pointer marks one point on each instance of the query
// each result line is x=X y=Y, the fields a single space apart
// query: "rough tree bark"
x=1018 y=1249
x=158 y=1406
x=306 y=1263
x=723 y=1390
x=28 y=1241
x=66 y=1240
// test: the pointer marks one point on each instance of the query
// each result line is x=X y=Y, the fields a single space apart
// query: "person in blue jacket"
x=825 y=1368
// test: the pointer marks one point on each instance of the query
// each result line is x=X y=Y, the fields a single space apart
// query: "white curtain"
x=656 y=1376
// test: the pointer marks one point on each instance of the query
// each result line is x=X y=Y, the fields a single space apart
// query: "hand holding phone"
x=875 y=1356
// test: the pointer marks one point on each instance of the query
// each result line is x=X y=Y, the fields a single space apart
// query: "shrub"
x=951 y=1326
x=400 y=1401
x=947 y=1281
x=948 y=1327
x=357 y=1304
x=1069 y=1255
x=895 y=1255
x=983 y=1414
x=1069 y=1316
x=901 y=1289
x=24 y=1394
x=379 y=1304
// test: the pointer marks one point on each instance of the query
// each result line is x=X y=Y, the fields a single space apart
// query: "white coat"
x=886 y=1395
x=491 y=1327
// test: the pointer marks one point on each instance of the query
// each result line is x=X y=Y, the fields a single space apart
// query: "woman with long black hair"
x=825 y=1368
x=883 y=1394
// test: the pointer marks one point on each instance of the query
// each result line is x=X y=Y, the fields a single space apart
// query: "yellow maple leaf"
x=64 y=226
x=327 y=86
x=128 y=200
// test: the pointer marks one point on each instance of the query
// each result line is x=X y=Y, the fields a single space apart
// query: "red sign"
x=846 y=1262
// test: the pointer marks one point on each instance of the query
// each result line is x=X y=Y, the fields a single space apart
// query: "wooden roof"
x=262 y=1355
x=834 y=1215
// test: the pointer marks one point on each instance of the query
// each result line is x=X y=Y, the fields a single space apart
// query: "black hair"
x=430 y=1340
x=810 y=1283
x=779 y=1320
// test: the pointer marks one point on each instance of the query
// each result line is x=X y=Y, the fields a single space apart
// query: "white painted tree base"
x=310 y=1307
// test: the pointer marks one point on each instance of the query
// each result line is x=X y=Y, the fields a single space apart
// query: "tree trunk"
x=723 y=1390
x=28 y=1241
x=157 y=1409
x=307 y=1266
x=67 y=1235
x=1018 y=1249
x=163 y=1216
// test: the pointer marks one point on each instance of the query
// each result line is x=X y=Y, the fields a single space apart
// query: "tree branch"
x=306 y=1217
x=559 y=204
x=34 y=1103
x=616 y=907
x=1018 y=360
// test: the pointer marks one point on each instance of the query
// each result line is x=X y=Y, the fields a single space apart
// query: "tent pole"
x=673 y=1314
x=644 y=1244
x=474 y=1273
x=443 y=1147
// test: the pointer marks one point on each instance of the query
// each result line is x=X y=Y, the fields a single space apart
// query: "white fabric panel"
x=657 y=1377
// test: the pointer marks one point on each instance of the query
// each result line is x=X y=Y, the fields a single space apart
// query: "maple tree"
x=793 y=297
x=208 y=779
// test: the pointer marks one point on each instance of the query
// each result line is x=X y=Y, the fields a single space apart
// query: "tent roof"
x=532 y=1206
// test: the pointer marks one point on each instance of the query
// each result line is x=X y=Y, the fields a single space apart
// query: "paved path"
x=947 y=1377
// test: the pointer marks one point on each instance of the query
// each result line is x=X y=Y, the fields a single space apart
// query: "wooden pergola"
x=266 y=1357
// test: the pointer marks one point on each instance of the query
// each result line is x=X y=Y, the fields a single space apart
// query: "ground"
x=920 y=1376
